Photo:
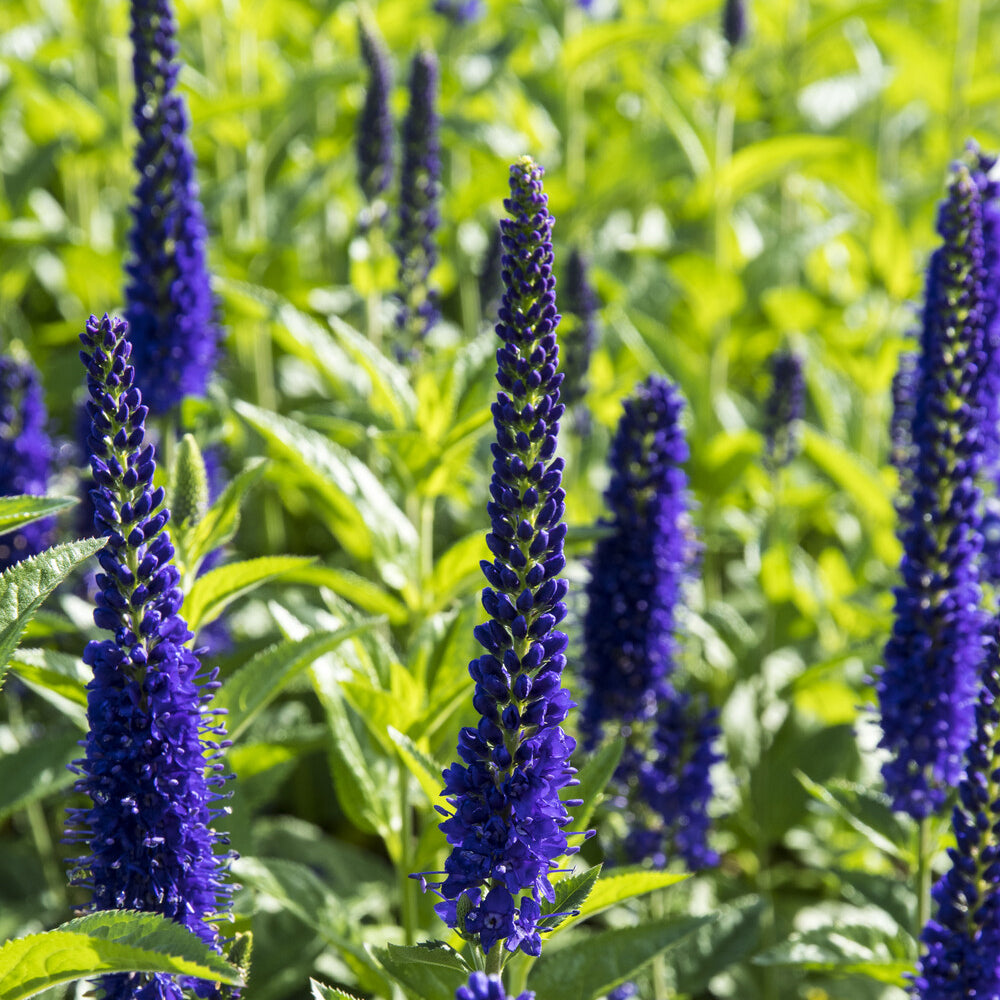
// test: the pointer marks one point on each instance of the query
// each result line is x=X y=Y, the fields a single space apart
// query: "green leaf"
x=104 y=942
x=248 y=691
x=360 y=592
x=222 y=519
x=25 y=586
x=37 y=770
x=217 y=589
x=867 y=811
x=58 y=677
x=718 y=945
x=589 y=968
x=593 y=778
x=571 y=893
x=626 y=883
x=421 y=765
x=17 y=511
x=368 y=523
x=433 y=970
x=321 y=991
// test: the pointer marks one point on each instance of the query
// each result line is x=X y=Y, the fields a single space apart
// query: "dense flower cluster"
x=639 y=567
x=168 y=298
x=734 y=22
x=629 y=633
x=25 y=454
x=484 y=987
x=419 y=191
x=579 y=336
x=153 y=795
x=374 y=133
x=963 y=937
x=933 y=660
x=507 y=826
x=784 y=408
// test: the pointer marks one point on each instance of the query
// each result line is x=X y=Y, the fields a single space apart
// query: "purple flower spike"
x=784 y=409
x=933 y=660
x=419 y=191
x=374 y=135
x=962 y=939
x=734 y=22
x=25 y=455
x=484 y=987
x=578 y=341
x=152 y=788
x=629 y=629
x=168 y=298
x=506 y=829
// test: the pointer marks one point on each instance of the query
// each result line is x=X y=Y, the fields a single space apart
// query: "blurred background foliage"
x=730 y=202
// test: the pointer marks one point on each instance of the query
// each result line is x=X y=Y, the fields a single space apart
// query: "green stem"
x=494 y=959
x=924 y=855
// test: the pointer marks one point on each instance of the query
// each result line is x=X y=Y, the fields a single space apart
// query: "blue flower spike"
x=151 y=765
x=506 y=828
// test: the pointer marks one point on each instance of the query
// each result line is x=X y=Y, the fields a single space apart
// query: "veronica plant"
x=151 y=764
x=506 y=829
x=25 y=454
x=962 y=940
x=460 y=11
x=374 y=131
x=419 y=191
x=630 y=626
x=734 y=22
x=933 y=660
x=784 y=409
x=168 y=296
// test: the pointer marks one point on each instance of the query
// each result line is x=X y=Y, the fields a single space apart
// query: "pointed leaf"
x=621 y=884
x=571 y=893
x=25 y=586
x=362 y=593
x=248 y=691
x=321 y=991
x=217 y=589
x=39 y=769
x=421 y=765
x=104 y=942
x=17 y=511
x=589 y=968
x=433 y=970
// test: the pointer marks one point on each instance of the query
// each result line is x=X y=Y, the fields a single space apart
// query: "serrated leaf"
x=37 y=770
x=17 y=511
x=589 y=968
x=433 y=970
x=221 y=520
x=248 y=691
x=571 y=893
x=105 y=942
x=25 y=586
x=189 y=488
x=321 y=991
x=58 y=677
x=626 y=883
x=217 y=589
x=593 y=778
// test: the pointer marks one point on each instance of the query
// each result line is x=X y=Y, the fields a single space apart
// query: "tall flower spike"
x=25 y=455
x=484 y=987
x=579 y=336
x=153 y=796
x=506 y=827
x=933 y=660
x=784 y=409
x=962 y=939
x=374 y=136
x=419 y=191
x=630 y=641
x=168 y=298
